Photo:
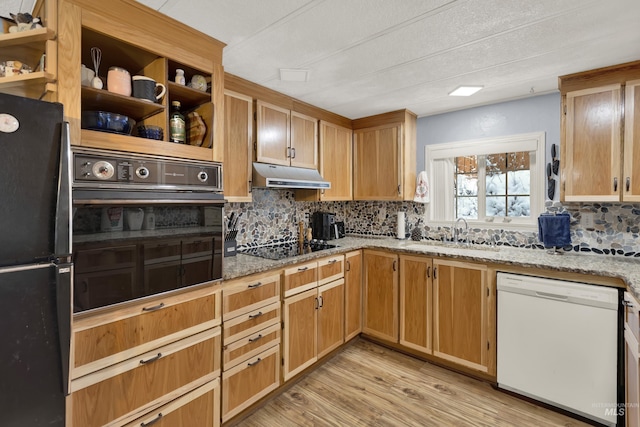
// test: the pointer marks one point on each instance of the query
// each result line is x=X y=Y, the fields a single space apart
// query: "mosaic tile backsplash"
x=273 y=216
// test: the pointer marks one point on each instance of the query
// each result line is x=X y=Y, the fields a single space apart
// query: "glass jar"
x=180 y=77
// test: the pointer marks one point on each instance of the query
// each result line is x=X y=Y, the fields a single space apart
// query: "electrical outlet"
x=586 y=220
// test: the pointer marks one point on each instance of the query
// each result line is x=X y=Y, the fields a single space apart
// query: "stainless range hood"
x=273 y=176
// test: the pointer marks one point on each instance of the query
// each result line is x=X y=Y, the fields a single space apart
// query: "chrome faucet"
x=456 y=232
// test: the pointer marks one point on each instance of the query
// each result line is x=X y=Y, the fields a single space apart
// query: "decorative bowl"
x=150 y=132
x=105 y=121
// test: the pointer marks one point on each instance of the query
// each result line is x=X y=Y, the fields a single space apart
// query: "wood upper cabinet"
x=416 y=302
x=285 y=137
x=592 y=169
x=461 y=313
x=304 y=141
x=600 y=135
x=336 y=161
x=135 y=37
x=352 y=295
x=384 y=162
x=631 y=184
x=238 y=146
x=380 y=307
x=273 y=134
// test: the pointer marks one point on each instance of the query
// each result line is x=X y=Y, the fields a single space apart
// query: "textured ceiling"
x=371 y=56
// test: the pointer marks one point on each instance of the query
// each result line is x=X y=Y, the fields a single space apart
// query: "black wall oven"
x=143 y=226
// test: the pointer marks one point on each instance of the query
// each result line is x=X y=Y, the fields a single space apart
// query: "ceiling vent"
x=294 y=75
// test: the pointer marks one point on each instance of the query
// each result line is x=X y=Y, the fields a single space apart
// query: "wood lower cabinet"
x=352 y=295
x=632 y=360
x=416 y=302
x=251 y=340
x=380 y=307
x=330 y=317
x=101 y=340
x=198 y=408
x=461 y=313
x=120 y=393
x=300 y=342
x=238 y=146
x=250 y=380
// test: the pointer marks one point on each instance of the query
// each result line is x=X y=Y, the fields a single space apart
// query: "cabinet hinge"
x=282 y=325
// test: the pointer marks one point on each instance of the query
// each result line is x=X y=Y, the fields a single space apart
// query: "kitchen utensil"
x=551 y=190
x=96 y=57
x=556 y=162
x=105 y=121
x=119 y=81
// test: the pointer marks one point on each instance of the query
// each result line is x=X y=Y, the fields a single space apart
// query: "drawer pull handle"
x=154 y=308
x=303 y=268
x=253 y=316
x=254 y=363
x=255 y=339
x=332 y=261
x=153 y=359
x=255 y=285
x=627 y=303
x=153 y=421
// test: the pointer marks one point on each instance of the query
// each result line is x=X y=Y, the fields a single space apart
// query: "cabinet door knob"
x=435 y=272
x=395 y=265
x=428 y=272
x=628 y=183
x=615 y=184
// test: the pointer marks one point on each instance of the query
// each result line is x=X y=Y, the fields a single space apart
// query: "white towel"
x=422 y=188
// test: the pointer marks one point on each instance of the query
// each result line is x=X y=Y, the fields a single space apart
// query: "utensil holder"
x=230 y=243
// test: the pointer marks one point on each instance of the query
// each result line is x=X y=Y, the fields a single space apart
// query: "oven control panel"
x=129 y=171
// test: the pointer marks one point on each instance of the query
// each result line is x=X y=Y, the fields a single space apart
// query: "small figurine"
x=24 y=22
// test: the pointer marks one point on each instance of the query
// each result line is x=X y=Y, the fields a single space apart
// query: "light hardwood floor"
x=369 y=385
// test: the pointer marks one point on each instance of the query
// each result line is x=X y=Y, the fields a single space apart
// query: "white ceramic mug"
x=119 y=81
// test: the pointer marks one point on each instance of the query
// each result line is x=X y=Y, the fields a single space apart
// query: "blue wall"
x=535 y=114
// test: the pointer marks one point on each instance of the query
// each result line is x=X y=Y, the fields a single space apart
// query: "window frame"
x=440 y=166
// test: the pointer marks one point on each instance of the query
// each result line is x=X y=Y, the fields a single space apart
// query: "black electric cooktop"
x=285 y=250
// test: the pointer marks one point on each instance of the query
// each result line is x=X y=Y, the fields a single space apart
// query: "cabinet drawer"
x=248 y=347
x=104 y=339
x=141 y=383
x=118 y=257
x=330 y=269
x=199 y=407
x=249 y=381
x=250 y=323
x=300 y=278
x=248 y=294
x=632 y=315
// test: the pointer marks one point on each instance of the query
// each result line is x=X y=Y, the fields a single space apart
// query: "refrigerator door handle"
x=64 y=286
x=63 y=226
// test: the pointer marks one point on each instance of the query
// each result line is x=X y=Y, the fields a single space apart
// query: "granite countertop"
x=627 y=269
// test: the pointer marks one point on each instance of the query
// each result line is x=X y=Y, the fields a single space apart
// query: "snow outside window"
x=492 y=182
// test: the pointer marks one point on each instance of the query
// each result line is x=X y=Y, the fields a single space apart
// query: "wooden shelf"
x=24 y=38
x=102 y=140
x=32 y=85
x=103 y=100
x=188 y=97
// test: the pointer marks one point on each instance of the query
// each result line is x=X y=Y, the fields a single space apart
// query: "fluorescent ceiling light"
x=294 y=75
x=465 y=90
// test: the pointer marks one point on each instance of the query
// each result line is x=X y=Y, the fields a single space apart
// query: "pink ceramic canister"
x=119 y=81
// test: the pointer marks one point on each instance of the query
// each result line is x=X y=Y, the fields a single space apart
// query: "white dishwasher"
x=558 y=343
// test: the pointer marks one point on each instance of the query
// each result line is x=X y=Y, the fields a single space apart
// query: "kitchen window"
x=491 y=182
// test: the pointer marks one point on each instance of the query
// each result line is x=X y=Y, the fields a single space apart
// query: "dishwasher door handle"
x=552 y=296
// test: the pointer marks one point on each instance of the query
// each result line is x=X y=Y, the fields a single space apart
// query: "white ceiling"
x=371 y=56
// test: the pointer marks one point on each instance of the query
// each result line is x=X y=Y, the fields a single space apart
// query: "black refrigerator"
x=35 y=262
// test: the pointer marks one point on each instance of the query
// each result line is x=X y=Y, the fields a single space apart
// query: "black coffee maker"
x=323 y=226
